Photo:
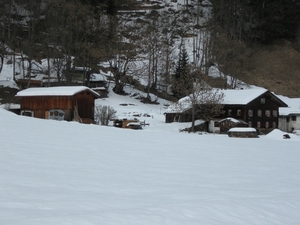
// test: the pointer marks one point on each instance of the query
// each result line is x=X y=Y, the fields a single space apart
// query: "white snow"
x=232 y=120
x=231 y=97
x=243 y=96
x=242 y=129
x=54 y=91
x=285 y=111
x=69 y=173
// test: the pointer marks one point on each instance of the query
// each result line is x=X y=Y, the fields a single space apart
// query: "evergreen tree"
x=182 y=80
x=111 y=7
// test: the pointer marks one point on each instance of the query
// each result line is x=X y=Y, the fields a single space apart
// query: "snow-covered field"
x=69 y=173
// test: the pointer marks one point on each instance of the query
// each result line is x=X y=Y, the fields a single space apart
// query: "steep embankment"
x=276 y=68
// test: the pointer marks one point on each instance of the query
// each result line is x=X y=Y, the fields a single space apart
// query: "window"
x=275 y=114
x=258 y=124
x=239 y=112
x=27 y=113
x=56 y=114
x=267 y=124
x=268 y=113
x=250 y=123
x=274 y=124
x=259 y=113
x=262 y=101
x=229 y=113
x=250 y=112
x=294 y=118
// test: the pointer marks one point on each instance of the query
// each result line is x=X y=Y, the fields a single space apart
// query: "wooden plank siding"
x=40 y=105
x=264 y=115
x=85 y=103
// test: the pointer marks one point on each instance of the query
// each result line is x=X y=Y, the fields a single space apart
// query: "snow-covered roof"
x=293 y=106
x=232 y=120
x=241 y=97
x=291 y=102
x=231 y=97
x=286 y=111
x=242 y=129
x=54 y=91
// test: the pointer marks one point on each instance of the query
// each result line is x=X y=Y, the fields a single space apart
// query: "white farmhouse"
x=289 y=119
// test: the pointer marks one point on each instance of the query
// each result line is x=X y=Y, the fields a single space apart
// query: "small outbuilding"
x=59 y=103
x=289 y=119
x=229 y=122
x=243 y=132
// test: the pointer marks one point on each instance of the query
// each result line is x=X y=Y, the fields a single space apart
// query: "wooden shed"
x=243 y=132
x=226 y=124
x=59 y=103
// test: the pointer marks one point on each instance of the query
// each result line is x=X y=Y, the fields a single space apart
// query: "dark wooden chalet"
x=258 y=107
x=59 y=103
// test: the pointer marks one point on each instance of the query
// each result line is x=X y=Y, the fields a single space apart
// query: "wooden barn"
x=59 y=103
x=258 y=107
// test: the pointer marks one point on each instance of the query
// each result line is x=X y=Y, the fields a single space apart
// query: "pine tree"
x=182 y=81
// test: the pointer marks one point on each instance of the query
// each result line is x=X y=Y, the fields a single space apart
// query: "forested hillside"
x=140 y=42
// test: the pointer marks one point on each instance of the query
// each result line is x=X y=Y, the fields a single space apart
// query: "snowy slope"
x=68 y=173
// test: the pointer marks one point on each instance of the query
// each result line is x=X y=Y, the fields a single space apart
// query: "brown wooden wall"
x=40 y=105
x=255 y=106
x=253 y=120
x=85 y=102
x=46 y=102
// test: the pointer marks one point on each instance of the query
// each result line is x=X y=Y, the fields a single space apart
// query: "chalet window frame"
x=294 y=118
x=239 y=112
x=26 y=112
x=275 y=113
x=258 y=124
x=268 y=113
x=267 y=124
x=262 y=100
x=250 y=123
x=250 y=113
x=56 y=114
x=259 y=113
x=229 y=112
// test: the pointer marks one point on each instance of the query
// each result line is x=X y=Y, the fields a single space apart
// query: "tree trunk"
x=48 y=62
x=193 y=119
x=29 y=72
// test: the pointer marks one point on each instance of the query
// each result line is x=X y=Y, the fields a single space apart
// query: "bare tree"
x=230 y=54
x=204 y=101
x=103 y=114
x=121 y=50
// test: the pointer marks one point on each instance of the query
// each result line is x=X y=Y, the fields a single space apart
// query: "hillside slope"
x=276 y=68
x=69 y=173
